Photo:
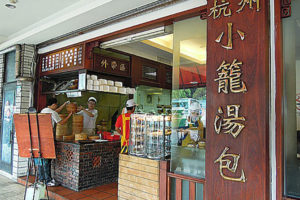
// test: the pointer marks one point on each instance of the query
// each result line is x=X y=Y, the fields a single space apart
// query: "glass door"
x=7 y=131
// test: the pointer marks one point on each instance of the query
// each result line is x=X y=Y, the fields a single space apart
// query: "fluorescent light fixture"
x=151 y=73
x=145 y=35
x=11 y=6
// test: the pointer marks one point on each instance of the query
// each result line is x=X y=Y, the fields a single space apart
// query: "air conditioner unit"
x=145 y=35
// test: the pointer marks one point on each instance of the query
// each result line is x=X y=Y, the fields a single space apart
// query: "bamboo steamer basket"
x=59 y=137
x=62 y=130
x=81 y=136
x=77 y=125
x=68 y=137
x=94 y=137
x=71 y=107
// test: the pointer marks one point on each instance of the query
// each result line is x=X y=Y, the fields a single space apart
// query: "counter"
x=82 y=166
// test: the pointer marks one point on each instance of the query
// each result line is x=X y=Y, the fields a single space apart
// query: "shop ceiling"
x=33 y=22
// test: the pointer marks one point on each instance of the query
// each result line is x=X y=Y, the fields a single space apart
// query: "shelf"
x=62 y=91
x=105 y=92
x=67 y=91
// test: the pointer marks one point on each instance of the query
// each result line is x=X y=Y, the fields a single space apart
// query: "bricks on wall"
x=82 y=166
x=138 y=178
x=27 y=61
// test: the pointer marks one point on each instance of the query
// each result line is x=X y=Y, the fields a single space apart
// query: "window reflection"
x=189 y=98
x=291 y=54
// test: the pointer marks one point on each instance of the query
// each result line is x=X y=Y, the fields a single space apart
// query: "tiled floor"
x=104 y=192
x=10 y=190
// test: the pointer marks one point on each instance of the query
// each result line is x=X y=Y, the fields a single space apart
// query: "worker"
x=123 y=125
x=89 y=116
x=44 y=165
x=193 y=134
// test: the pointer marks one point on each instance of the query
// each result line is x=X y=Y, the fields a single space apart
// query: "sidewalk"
x=10 y=190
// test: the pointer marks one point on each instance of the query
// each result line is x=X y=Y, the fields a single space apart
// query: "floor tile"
x=113 y=191
x=74 y=196
x=55 y=189
x=103 y=188
x=87 y=198
x=112 y=198
x=64 y=192
x=89 y=192
x=100 y=195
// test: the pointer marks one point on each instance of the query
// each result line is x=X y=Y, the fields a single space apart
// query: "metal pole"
x=164 y=139
x=40 y=154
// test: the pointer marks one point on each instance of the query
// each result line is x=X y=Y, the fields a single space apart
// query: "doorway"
x=8 y=107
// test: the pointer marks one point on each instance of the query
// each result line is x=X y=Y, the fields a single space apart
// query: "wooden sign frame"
x=45 y=131
x=237 y=166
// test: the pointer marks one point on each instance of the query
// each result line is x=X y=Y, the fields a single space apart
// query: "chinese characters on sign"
x=104 y=63
x=250 y=2
x=222 y=8
x=112 y=64
x=230 y=124
x=218 y=9
x=229 y=36
x=226 y=164
x=229 y=78
x=229 y=81
x=60 y=60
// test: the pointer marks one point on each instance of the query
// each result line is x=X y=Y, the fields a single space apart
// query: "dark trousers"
x=44 y=169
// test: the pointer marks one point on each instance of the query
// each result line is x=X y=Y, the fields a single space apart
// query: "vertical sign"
x=237 y=100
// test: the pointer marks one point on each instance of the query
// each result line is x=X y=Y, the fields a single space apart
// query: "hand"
x=80 y=108
x=70 y=114
x=67 y=102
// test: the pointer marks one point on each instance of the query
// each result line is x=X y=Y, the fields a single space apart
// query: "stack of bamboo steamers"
x=62 y=133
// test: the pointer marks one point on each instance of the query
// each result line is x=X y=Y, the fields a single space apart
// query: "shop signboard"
x=112 y=65
x=64 y=60
x=237 y=100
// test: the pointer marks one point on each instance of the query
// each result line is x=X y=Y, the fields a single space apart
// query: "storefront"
x=228 y=71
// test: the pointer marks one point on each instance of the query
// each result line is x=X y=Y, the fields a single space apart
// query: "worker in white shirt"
x=44 y=165
x=89 y=116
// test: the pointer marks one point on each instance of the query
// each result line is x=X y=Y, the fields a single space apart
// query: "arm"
x=118 y=125
x=62 y=122
x=118 y=131
x=87 y=112
x=61 y=107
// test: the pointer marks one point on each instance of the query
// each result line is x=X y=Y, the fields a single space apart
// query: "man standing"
x=89 y=116
x=123 y=125
x=44 y=165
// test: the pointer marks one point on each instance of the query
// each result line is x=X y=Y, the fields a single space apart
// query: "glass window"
x=189 y=98
x=149 y=73
x=10 y=69
x=291 y=54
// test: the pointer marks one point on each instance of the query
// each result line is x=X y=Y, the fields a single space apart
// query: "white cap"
x=93 y=99
x=130 y=103
x=195 y=106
